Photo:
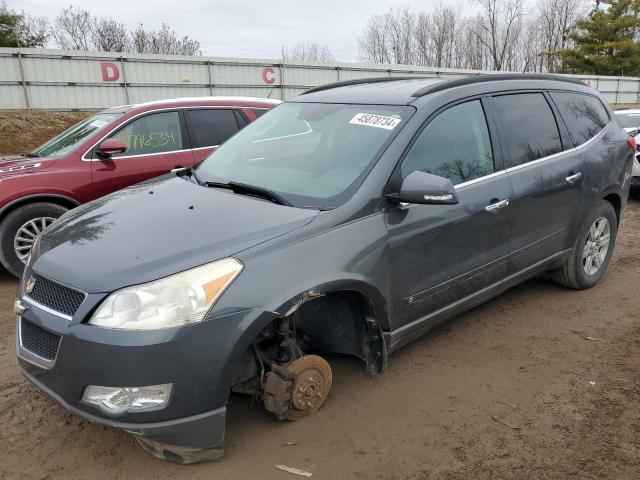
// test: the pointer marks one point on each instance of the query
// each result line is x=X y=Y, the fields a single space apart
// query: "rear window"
x=584 y=115
x=530 y=126
x=258 y=112
x=209 y=127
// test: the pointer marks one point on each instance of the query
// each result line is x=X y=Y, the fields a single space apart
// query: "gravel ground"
x=540 y=383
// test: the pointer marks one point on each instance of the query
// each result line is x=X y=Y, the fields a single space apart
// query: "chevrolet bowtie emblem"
x=30 y=285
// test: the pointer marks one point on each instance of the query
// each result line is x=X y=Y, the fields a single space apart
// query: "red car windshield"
x=66 y=141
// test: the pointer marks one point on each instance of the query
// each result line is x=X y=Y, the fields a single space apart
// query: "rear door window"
x=154 y=133
x=455 y=145
x=584 y=115
x=530 y=127
x=210 y=126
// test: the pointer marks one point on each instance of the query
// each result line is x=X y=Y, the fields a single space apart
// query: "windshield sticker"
x=379 y=121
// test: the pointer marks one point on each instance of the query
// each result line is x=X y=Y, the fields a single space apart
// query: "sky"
x=241 y=28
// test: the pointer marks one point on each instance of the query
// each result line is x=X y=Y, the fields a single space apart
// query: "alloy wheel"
x=27 y=234
x=596 y=246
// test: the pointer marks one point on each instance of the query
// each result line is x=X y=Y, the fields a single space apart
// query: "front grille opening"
x=38 y=341
x=56 y=296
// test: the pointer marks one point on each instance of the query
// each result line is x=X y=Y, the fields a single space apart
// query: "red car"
x=106 y=152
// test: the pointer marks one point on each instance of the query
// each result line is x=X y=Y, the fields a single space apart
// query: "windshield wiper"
x=251 y=190
x=31 y=155
x=189 y=171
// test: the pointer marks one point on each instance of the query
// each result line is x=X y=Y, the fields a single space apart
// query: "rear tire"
x=588 y=260
x=14 y=223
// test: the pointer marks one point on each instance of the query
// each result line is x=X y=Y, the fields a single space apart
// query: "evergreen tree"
x=17 y=31
x=606 y=43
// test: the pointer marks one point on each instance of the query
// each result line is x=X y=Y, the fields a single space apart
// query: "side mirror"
x=425 y=188
x=111 y=146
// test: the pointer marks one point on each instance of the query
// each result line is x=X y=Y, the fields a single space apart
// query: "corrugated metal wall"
x=73 y=80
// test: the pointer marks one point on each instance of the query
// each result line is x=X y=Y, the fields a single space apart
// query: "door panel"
x=546 y=208
x=155 y=145
x=547 y=181
x=441 y=253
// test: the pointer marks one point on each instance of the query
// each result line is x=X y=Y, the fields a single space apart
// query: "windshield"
x=67 y=140
x=629 y=120
x=311 y=154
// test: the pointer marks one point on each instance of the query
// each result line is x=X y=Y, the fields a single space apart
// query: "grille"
x=55 y=296
x=38 y=340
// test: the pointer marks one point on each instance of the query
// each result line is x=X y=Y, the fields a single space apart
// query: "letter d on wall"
x=110 y=71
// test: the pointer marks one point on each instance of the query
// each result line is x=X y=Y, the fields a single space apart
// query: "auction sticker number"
x=379 y=121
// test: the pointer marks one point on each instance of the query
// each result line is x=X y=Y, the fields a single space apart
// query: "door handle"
x=573 y=178
x=497 y=206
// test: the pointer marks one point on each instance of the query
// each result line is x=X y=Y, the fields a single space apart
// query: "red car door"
x=156 y=143
x=210 y=127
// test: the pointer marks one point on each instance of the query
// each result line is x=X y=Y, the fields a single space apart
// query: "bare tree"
x=556 y=18
x=77 y=29
x=163 y=41
x=445 y=25
x=308 y=52
x=71 y=29
x=109 y=35
x=498 y=28
x=423 y=54
x=374 y=41
x=400 y=24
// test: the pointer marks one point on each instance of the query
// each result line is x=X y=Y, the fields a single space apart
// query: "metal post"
x=124 y=81
x=210 y=78
x=23 y=81
x=338 y=72
x=281 y=68
x=618 y=93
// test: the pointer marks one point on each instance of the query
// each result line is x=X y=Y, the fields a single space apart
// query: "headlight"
x=169 y=302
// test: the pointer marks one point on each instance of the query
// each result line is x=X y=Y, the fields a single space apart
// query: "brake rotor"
x=311 y=385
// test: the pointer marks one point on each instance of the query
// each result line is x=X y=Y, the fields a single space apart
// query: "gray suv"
x=352 y=219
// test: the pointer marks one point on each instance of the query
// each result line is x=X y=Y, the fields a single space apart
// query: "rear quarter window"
x=584 y=115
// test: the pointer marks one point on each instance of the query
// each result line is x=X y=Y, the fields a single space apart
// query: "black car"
x=351 y=219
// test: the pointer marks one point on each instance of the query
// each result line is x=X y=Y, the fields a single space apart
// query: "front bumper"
x=185 y=440
x=199 y=360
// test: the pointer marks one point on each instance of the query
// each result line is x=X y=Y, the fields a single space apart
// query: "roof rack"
x=346 y=83
x=490 y=77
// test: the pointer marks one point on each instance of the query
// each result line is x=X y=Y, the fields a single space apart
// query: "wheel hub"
x=298 y=390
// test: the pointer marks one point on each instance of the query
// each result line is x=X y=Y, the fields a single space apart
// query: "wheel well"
x=58 y=200
x=341 y=322
x=616 y=202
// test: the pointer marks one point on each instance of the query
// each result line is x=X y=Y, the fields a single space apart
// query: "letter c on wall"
x=268 y=75
x=110 y=71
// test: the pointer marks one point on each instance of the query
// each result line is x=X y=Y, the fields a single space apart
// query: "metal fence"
x=76 y=80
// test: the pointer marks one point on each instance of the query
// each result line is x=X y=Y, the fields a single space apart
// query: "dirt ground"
x=21 y=131
x=540 y=383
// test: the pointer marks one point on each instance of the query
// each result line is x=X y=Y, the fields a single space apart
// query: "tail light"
x=632 y=143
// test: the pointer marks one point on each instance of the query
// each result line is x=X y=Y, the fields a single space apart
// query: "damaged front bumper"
x=198 y=360
x=186 y=440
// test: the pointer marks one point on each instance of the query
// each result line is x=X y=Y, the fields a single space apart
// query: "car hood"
x=156 y=229
x=18 y=164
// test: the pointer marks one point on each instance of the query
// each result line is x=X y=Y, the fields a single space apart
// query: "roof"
x=220 y=100
x=405 y=90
